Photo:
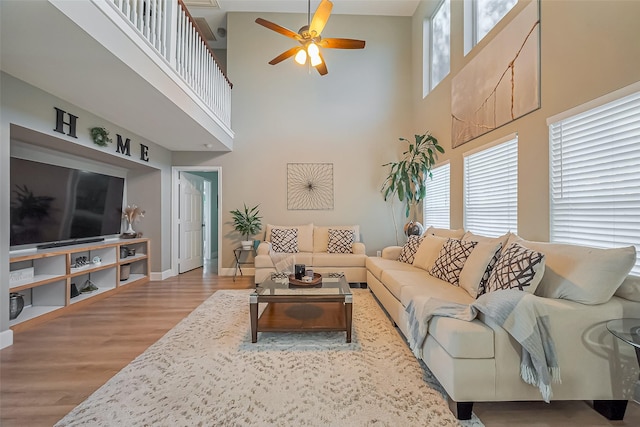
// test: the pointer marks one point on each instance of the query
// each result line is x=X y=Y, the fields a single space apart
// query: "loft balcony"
x=141 y=64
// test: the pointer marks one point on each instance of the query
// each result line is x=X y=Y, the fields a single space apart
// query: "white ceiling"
x=215 y=11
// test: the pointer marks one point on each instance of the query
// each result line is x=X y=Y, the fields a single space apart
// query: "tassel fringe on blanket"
x=515 y=311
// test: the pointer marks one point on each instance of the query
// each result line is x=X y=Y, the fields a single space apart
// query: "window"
x=491 y=188
x=436 y=204
x=437 y=46
x=595 y=177
x=481 y=16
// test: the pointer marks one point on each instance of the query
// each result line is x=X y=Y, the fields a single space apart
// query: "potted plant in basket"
x=407 y=178
x=247 y=222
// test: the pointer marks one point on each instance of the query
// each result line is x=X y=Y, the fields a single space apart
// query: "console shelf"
x=47 y=289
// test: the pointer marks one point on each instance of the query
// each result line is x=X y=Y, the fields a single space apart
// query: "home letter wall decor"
x=60 y=122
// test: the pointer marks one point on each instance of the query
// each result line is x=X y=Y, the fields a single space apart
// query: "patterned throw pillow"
x=517 y=268
x=409 y=249
x=487 y=272
x=340 y=241
x=453 y=255
x=284 y=240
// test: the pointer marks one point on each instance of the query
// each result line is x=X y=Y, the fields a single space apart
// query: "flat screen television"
x=56 y=206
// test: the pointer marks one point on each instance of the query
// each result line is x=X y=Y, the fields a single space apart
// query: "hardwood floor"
x=54 y=366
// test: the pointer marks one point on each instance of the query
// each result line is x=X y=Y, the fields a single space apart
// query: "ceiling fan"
x=310 y=39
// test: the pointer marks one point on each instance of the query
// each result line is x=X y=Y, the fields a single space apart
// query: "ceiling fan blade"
x=342 y=43
x=284 y=55
x=277 y=28
x=320 y=18
x=322 y=67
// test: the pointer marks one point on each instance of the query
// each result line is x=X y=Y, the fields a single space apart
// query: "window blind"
x=595 y=176
x=491 y=189
x=436 y=204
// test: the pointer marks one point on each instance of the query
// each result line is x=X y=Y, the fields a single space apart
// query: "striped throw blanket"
x=515 y=311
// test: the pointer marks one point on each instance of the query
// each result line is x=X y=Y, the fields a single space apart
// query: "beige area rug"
x=206 y=372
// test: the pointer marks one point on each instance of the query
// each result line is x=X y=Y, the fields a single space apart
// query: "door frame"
x=175 y=209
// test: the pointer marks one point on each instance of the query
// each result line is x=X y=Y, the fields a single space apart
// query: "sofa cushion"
x=580 y=273
x=265 y=261
x=395 y=280
x=517 y=268
x=284 y=240
x=629 y=289
x=377 y=265
x=445 y=232
x=321 y=235
x=428 y=251
x=479 y=238
x=305 y=235
x=417 y=285
x=338 y=260
x=477 y=269
x=340 y=241
x=451 y=260
x=409 y=249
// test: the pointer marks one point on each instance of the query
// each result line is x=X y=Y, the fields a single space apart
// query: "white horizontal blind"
x=595 y=176
x=436 y=204
x=491 y=189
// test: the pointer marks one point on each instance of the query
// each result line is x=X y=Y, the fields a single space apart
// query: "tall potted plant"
x=407 y=178
x=247 y=222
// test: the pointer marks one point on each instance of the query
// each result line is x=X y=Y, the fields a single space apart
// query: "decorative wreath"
x=100 y=136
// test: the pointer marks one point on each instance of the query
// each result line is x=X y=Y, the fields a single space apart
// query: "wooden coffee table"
x=325 y=307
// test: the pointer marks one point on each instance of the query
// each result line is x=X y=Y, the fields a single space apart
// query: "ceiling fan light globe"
x=301 y=57
x=315 y=60
x=313 y=50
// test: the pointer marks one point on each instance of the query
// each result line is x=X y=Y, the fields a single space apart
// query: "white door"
x=191 y=188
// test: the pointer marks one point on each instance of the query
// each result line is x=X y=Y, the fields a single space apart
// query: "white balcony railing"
x=169 y=28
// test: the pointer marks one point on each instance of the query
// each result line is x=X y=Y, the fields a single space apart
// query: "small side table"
x=237 y=253
x=628 y=330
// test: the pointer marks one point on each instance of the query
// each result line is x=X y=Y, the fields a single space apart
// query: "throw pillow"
x=445 y=232
x=409 y=249
x=581 y=273
x=340 y=241
x=487 y=273
x=478 y=266
x=517 y=268
x=453 y=255
x=428 y=251
x=284 y=240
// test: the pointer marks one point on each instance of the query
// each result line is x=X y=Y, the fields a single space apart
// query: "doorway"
x=196 y=219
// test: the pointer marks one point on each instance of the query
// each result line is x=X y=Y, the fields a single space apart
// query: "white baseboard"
x=161 y=275
x=6 y=338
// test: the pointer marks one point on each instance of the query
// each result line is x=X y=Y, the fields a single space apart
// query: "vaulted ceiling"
x=214 y=12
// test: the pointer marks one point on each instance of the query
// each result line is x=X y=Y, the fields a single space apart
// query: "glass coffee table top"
x=628 y=330
x=332 y=284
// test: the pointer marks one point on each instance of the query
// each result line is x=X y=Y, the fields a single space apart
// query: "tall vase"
x=130 y=229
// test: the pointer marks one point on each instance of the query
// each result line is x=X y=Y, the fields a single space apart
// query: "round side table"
x=628 y=330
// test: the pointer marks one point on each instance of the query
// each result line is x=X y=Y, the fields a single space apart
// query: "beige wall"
x=588 y=49
x=282 y=114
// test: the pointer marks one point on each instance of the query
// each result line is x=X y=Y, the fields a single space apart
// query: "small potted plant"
x=247 y=222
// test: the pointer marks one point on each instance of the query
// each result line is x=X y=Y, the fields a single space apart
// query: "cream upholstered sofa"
x=580 y=287
x=311 y=248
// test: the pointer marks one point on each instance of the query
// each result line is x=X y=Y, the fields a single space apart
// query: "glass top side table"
x=628 y=330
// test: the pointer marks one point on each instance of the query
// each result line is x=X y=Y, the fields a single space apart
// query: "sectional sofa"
x=325 y=249
x=580 y=288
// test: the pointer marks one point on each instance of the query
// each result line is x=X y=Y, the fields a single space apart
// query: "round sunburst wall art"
x=310 y=186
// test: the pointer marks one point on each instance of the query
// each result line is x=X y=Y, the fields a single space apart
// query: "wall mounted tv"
x=57 y=206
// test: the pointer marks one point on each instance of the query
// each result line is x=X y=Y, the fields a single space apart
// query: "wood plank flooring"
x=53 y=367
